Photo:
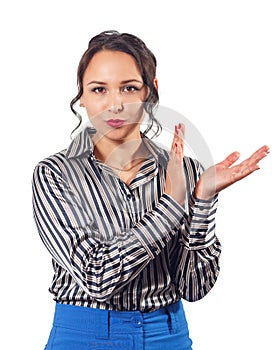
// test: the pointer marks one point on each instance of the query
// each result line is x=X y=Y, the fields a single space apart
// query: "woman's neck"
x=122 y=155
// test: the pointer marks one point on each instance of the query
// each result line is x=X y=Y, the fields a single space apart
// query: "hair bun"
x=103 y=36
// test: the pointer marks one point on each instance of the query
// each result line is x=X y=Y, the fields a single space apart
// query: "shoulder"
x=53 y=163
x=79 y=148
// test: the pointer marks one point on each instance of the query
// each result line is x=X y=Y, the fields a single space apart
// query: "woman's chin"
x=119 y=134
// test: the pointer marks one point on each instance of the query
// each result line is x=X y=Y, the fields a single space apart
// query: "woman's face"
x=113 y=95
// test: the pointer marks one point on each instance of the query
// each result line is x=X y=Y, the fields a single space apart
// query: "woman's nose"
x=115 y=103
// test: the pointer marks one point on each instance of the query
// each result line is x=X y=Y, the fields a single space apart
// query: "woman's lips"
x=115 y=123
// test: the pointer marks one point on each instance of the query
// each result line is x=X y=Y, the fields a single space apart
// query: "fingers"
x=249 y=165
x=232 y=158
x=259 y=154
x=177 y=146
x=252 y=161
x=175 y=184
x=249 y=162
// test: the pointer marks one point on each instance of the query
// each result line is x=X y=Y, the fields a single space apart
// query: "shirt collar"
x=159 y=154
x=82 y=144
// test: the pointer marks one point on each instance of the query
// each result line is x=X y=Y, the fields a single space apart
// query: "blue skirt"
x=83 y=328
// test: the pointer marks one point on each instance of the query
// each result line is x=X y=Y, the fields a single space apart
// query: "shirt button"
x=129 y=196
x=137 y=322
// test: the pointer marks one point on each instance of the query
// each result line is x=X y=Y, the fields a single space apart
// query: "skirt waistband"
x=103 y=322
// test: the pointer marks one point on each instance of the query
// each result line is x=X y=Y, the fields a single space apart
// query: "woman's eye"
x=130 y=89
x=99 y=90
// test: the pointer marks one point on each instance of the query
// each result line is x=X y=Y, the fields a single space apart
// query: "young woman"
x=130 y=227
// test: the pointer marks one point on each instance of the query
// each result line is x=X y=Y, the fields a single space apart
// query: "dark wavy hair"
x=145 y=59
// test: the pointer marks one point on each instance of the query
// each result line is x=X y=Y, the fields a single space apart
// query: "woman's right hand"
x=175 y=184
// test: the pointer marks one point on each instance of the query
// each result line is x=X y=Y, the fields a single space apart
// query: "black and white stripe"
x=123 y=247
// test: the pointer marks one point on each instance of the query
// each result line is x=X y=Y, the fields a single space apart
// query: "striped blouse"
x=121 y=247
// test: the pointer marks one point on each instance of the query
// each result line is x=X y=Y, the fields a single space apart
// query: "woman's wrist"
x=203 y=194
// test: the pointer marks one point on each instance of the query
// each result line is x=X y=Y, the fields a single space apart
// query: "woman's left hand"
x=223 y=174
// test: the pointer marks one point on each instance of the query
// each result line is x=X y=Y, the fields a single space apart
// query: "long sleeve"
x=197 y=266
x=101 y=268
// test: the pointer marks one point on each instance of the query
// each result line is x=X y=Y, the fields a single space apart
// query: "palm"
x=223 y=174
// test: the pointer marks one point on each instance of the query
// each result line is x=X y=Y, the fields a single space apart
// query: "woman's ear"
x=156 y=83
x=81 y=102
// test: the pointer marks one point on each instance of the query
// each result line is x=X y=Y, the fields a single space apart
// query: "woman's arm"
x=197 y=264
x=100 y=268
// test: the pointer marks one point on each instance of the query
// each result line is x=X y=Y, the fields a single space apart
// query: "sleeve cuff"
x=198 y=205
x=199 y=223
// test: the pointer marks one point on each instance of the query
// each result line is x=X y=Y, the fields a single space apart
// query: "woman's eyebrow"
x=131 y=81
x=122 y=82
x=96 y=82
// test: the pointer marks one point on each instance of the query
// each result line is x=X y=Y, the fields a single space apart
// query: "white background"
x=218 y=64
